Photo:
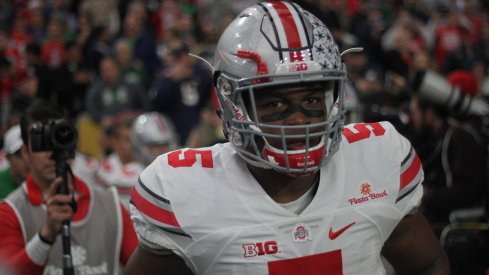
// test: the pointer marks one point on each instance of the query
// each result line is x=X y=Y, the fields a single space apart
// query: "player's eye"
x=275 y=104
x=312 y=100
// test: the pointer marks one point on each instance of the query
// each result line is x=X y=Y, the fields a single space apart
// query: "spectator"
x=102 y=13
x=461 y=58
x=59 y=10
x=19 y=39
x=131 y=70
x=101 y=232
x=97 y=48
x=83 y=30
x=37 y=22
x=53 y=51
x=6 y=10
x=481 y=47
x=70 y=81
x=143 y=43
x=181 y=90
x=112 y=94
x=15 y=174
x=448 y=37
x=119 y=169
x=38 y=69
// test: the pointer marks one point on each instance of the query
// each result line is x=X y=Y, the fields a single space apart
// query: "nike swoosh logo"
x=333 y=235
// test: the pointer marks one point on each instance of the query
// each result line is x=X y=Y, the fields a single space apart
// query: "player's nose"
x=297 y=118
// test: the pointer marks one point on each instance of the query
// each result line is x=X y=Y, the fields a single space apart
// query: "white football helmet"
x=152 y=130
x=278 y=44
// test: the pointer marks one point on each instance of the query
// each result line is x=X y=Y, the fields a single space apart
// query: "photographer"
x=33 y=215
x=453 y=154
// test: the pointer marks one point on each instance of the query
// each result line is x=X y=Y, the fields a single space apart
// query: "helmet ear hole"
x=219 y=113
x=215 y=76
x=336 y=90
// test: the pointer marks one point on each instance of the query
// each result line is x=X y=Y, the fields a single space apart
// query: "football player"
x=293 y=192
x=120 y=168
x=152 y=135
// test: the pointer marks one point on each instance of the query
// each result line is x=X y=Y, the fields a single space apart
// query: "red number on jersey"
x=330 y=263
x=190 y=158
x=363 y=131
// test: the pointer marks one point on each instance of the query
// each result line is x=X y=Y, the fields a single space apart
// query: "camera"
x=435 y=88
x=58 y=135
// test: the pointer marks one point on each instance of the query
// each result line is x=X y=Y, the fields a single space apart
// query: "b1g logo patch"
x=301 y=233
x=260 y=249
x=298 y=67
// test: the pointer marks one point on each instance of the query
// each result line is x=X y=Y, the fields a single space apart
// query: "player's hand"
x=58 y=209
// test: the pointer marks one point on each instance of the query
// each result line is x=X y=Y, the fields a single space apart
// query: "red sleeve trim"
x=154 y=212
x=410 y=173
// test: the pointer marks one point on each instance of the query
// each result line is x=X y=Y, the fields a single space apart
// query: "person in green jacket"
x=14 y=175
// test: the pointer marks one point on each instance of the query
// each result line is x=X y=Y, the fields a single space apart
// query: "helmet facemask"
x=274 y=46
x=260 y=135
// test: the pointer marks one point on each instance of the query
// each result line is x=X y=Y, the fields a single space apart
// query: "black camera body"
x=56 y=136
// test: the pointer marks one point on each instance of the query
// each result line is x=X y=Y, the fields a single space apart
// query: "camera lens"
x=64 y=136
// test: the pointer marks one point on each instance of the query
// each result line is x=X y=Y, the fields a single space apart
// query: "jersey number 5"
x=190 y=158
x=363 y=131
x=330 y=263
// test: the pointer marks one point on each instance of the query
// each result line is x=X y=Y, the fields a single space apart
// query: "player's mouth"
x=301 y=144
x=296 y=146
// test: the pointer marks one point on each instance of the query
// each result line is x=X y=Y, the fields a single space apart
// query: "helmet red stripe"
x=290 y=29
x=160 y=123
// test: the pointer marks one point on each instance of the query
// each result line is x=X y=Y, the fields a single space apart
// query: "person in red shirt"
x=53 y=51
x=101 y=233
x=448 y=38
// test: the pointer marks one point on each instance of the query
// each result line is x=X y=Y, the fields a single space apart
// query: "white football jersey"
x=206 y=207
x=85 y=167
x=112 y=172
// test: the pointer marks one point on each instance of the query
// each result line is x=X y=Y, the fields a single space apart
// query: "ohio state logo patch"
x=367 y=194
x=301 y=233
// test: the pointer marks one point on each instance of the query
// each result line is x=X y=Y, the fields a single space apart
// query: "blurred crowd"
x=106 y=62
x=99 y=59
